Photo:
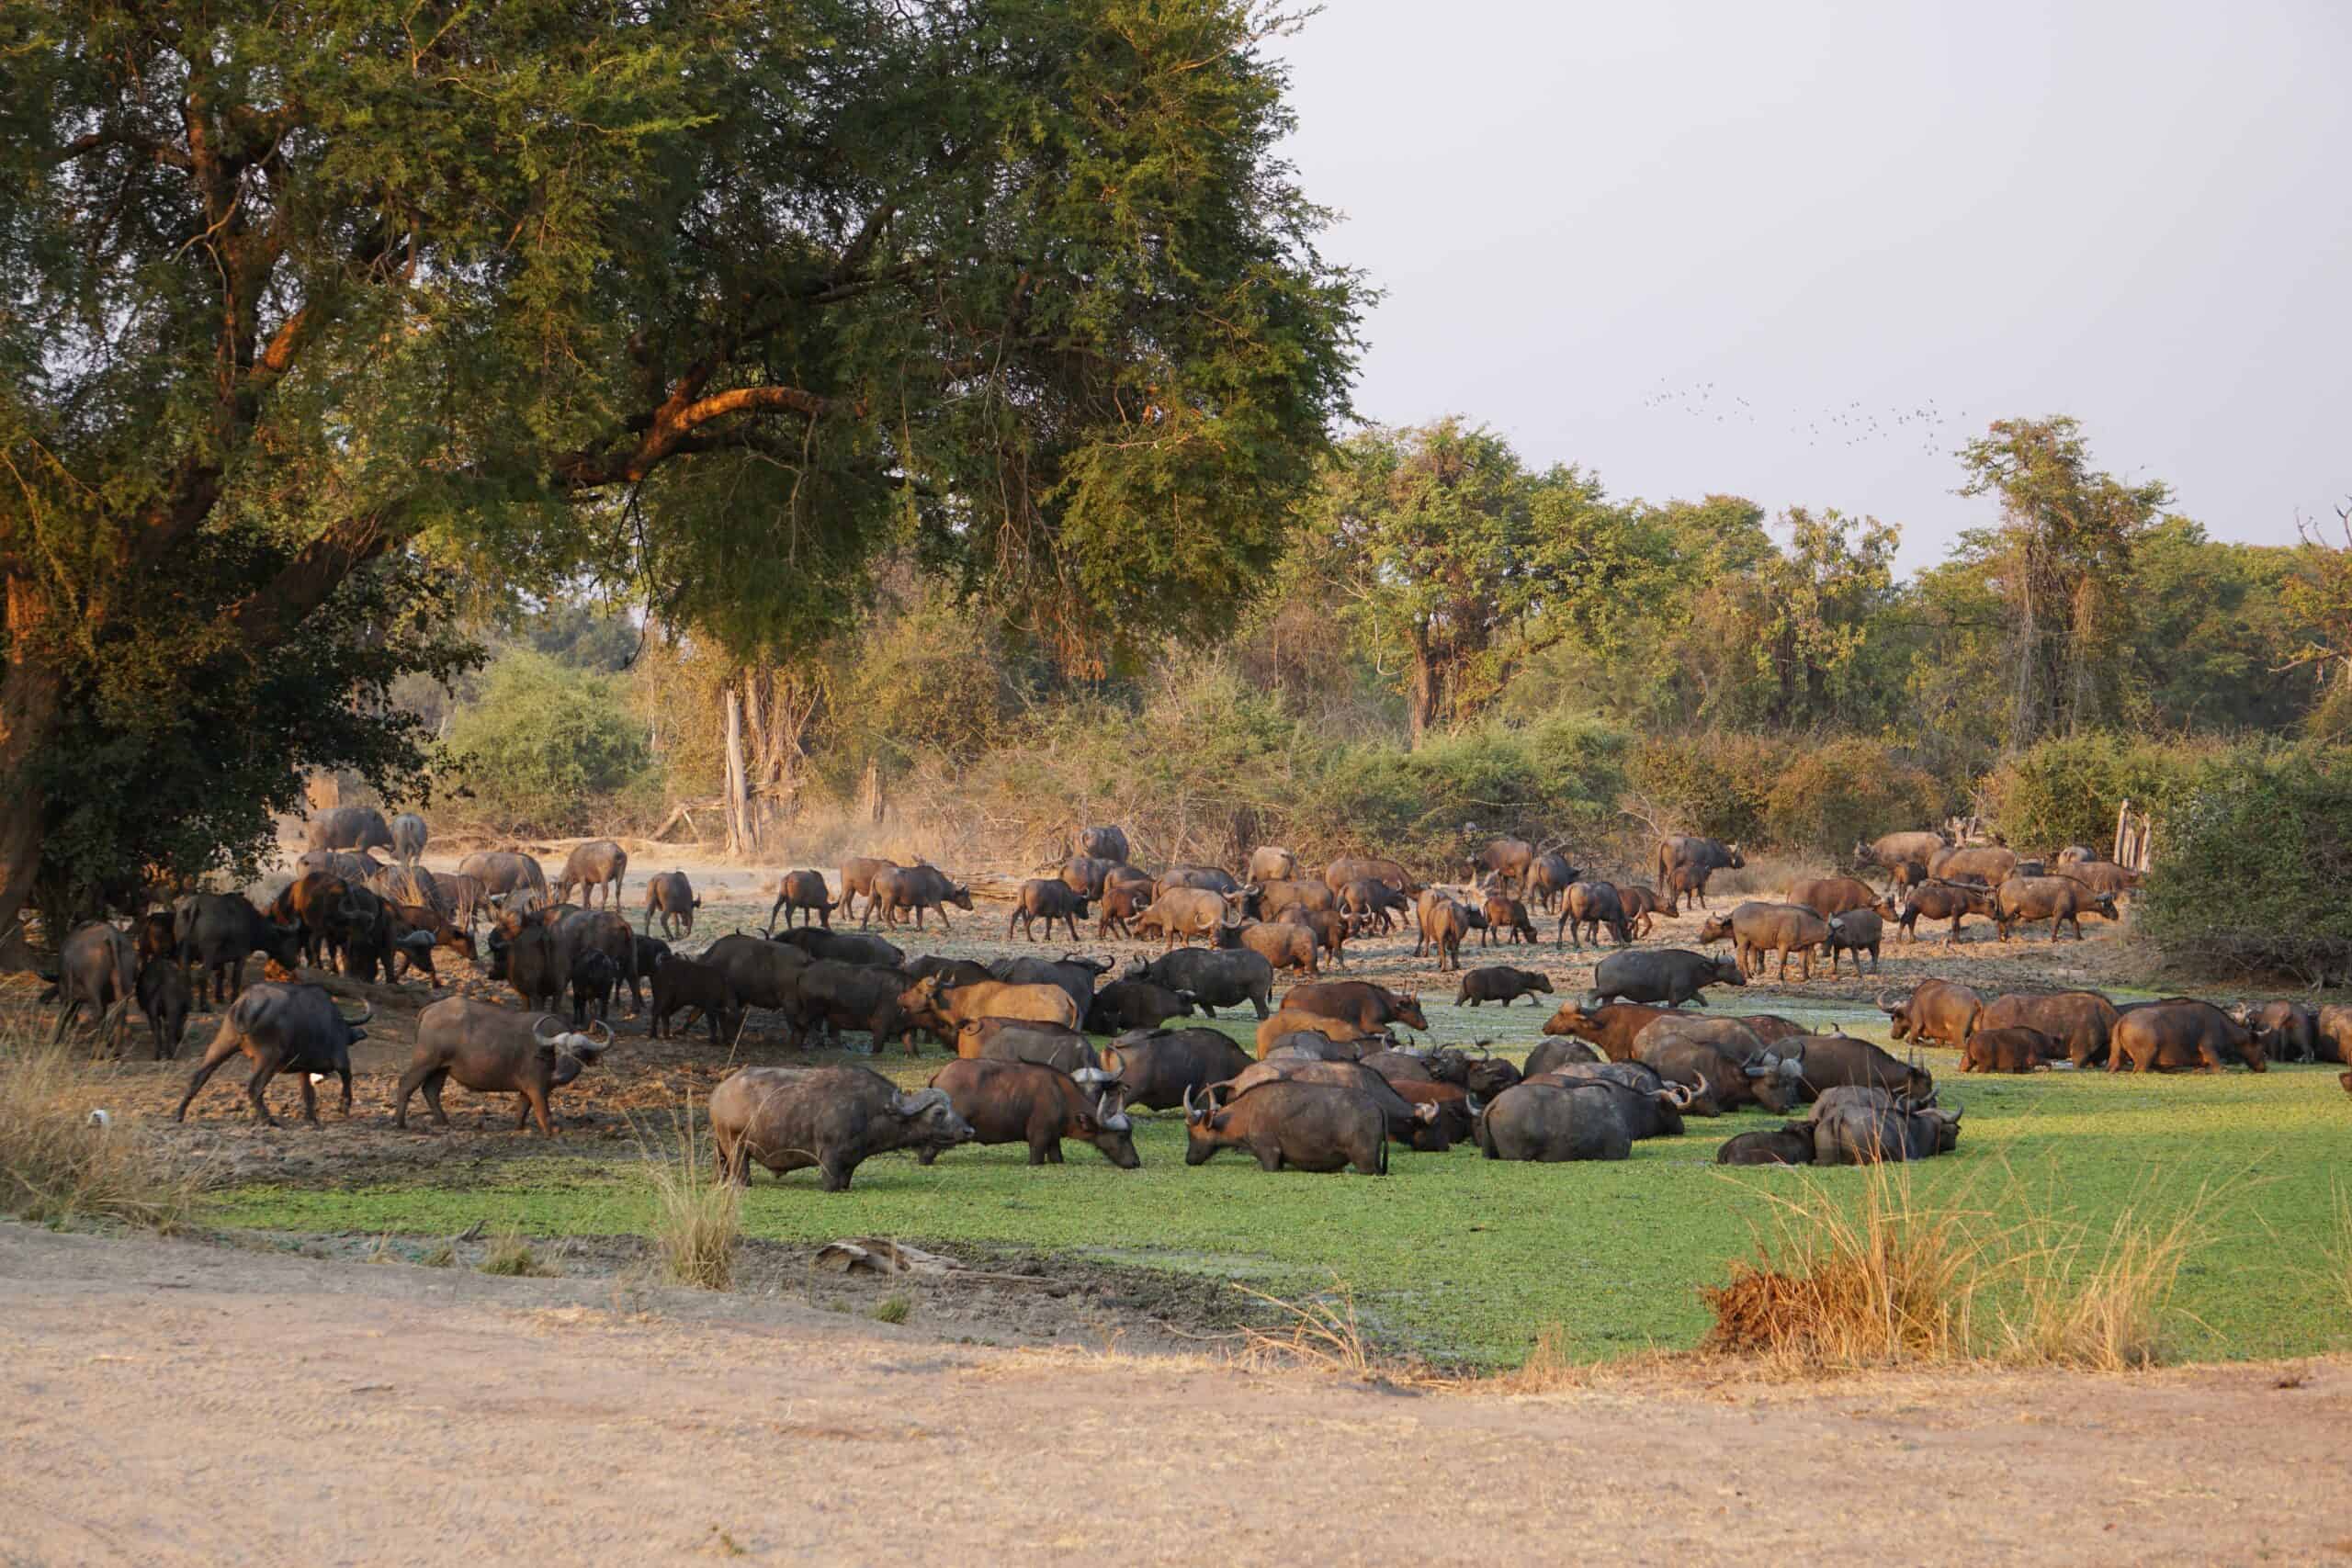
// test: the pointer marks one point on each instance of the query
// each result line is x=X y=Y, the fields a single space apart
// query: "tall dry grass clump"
x=699 y=1224
x=1880 y=1276
x=58 y=1167
x=1882 y=1280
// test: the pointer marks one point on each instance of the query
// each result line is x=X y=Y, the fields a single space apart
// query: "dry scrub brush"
x=60 y=1166
x=1867 y=1271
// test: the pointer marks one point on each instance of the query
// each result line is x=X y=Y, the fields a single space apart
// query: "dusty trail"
x=173 y=1403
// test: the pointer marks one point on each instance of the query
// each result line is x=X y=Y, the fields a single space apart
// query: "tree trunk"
x=29 y=699
x=740 y=836
x=1426 y=702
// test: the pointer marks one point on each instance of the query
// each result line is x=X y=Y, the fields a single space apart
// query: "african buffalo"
x=97 y=964
x=1554 y=1122
x=1269 y=863
x=1696 y=858
x=2021 y=899
x=163 y=998
x=1756 y=928
x=1282 y=943
x=1180 y=914
x=1833 y=895
x=916 y=887
x=1548 y=876
x=501 y=872
x=1135 y=1004
x=1790 y=1144
x=1588 y=906
x=2286 y=1031
x=494 y=1050
x=681 y=982
x=1019 y=1102
x=1505 y=916
x=1121 y=905
x=217 y=931
x=1864 y=1131
x=1291 y=1126
x=1103 y=843
x=2009 y=1051
x=1988 y=863
x=283 y=1028
x=1856 y=932
x=1444 y=925
x=1158 y=1067
x=1500 y=983
x=1419 y=1124
x=857 y=877
x=1508 y=860
x=1953 y=901
x=349 y=828
x=1937 y=1012
x=1075 y=973
x=2083 y=1022
x=2180 y=1035
x=833 y=1118
x=1020 y=1040
x=1046 y=900
x=1550 y=1056
x=1895 y=851
x=1213 y=978
x=1673 y=975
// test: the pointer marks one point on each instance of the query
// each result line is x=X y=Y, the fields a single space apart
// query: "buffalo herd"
x=1054 y=1050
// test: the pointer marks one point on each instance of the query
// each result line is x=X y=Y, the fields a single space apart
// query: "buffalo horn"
x=1885 y=1006
x=603 y=1036
x=368 y=1010
x=539 y=1030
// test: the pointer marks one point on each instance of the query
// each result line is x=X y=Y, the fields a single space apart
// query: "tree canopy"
x=718 y=300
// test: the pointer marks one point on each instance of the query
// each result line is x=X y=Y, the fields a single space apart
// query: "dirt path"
x=174 y=1402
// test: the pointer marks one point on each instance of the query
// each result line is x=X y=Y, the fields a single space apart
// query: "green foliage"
x=2252 y=863
x=546 y=746
x=1832 y=793
x=1556 y=782
x=2068 y=790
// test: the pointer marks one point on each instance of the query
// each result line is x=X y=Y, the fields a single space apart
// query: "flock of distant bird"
x=1852 y=423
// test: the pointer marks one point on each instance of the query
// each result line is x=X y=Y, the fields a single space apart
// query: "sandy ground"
x=171 y=1403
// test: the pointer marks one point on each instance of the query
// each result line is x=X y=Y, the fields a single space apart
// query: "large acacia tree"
x=719 y=298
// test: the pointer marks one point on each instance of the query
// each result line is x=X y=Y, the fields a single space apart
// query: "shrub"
x=544 y=746
x=2066 y=790
x=2249 y=870
x=510 y=1255
x=1831 y=793
x=700 y=1223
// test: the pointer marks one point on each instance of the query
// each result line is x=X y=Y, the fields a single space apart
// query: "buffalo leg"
x=64 y=1017
x=833 y=1173
x=310 y=1096
x=771 y=909
x=267 y=1070
x=535 y=1104
x=1270 y=1154
x=225 y=1045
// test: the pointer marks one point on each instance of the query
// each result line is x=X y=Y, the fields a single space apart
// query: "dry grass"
x=2339 y=1255
x=700 y=1225
x=510 y=1255
x=893 y=1309
x=1324 y=1335
x=1881 y=1276
x=58 y=1167
x=1882 y=1280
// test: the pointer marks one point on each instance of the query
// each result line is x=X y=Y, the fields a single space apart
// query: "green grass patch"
x=1466 y=1259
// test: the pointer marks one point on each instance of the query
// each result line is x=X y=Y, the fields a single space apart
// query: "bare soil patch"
x=173 y=1403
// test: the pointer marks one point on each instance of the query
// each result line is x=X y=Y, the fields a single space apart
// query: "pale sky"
x=1698 y=247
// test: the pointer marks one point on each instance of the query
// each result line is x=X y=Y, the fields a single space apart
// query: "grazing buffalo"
x=1269 y=863
x=1953 y=901
x=1367 y=902
x=1018 y=1039
x=501 y=873
x=2286 y=1031
x=1507 y=860
x=408 y=836
x=834 y=997
x=1103 y=843
x=1445 y=923
x=1282 y=943
x=1861 y=1128
x=2179 y=1035
x=1046 y=900
x=1500 y=983
x=1156 y=1068
x=2083 y=1021
x=1550 y=1056
x=858 y=879
x=684 y=983
x=350 y=827
x=1757 y=928
x=1505 y=916
x=1833 y=895
x=1856 y=932
x=1213 y=978
x=1135 y=1004
x=1642 y=905
x=2009 y=1051
x=934 y=1004
x=293 y=1028
x=163 y=998
x=1937 y=1012
x=599 y=865
x=1896 y=852
x=1367 y=1006
x=670 y=898
x=1554 y=1122
x=495 y=1050
x=1790 y=1144
x=833 y=1118
x=2102 y=876
x=98 y=964
x=1611 y=1028
x=1988 y=863
x=1291 y=1126
x=1418 y=1124
x=1121 y=905
x=1589 y=906
x=1329 y=931
x=1266 y=901
x=1075 y=973
x=1672 y=976
x=1353 y=868
x=1801 y=1069
x=1019 y=1102
x=915 y=887
x=1684 y=864
x=1548 y=876
x=217 y=931
x=1180 y=914
x=847 y=947
x=2022 y=899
